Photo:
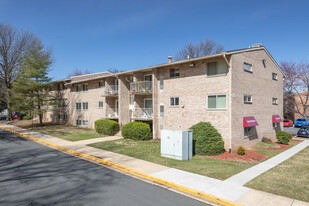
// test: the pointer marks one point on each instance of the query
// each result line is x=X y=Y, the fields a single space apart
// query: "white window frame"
x=86 y=87
x=78 y=88
x=65 y=117
x=78 y=122
x=100 y=104
x=245 y=68
x=174 y=101
x=78 y=106
x=83 y=123
x=85 y=103
x=161 y=113
x=216 y=101
x=247 y=99
x=246 y=131
x=175 y=69
x=274 y=77
x=275 y=101
x=161 y=84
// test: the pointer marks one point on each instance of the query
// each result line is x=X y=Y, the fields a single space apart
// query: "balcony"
x=112 y=113
x=111 y=90
x=142 y=114
x=141 y=87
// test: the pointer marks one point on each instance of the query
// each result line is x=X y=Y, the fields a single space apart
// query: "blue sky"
x=125 y=35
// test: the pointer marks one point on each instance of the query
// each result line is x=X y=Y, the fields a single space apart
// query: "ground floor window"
x=247 y=131
x=275 y=125
x=85 y=122
x=216 y=102
x=100 y=104
x=78 y=122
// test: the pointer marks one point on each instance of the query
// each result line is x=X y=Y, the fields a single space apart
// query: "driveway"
x=32 y=174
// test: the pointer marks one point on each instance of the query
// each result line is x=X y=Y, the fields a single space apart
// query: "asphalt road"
x=292 y=130
x=32 y=174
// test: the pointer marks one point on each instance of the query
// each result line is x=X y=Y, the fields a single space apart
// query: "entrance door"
x=148 y=107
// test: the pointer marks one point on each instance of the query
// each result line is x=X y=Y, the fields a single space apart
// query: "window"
x=78 y=106
x=78 y=122
x=174 y=101
x=100 y=84
x=248 y=99
x=85 y=105
x=100 y=104
x=78 y=88
x=247 y=131
x=148 y=77
x=275 y=125
x=161 y=110
x=216 y=68
x=216 y=101
x=131 y=99
x=247 y=67
x=174 y=73
x=264 y=63
x=161 y=84
x=275 y=101
x=60 y=116
x=60 y=87
x=65 y=117
x=85 y=87
x=275 y=76
x=50 y=116
x=85 y=122
x=64 y=102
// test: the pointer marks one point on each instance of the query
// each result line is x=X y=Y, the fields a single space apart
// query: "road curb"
x=131 y=171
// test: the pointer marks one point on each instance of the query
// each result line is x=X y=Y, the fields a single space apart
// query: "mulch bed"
x=250 y=156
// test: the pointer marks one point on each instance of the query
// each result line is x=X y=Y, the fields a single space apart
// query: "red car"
x=287 y=123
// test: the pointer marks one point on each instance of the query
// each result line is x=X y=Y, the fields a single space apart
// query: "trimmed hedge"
x=206 y=139
x=106 y=126
x=27 y=117
x=283 y=137
x=241 y=150
x=136 y=131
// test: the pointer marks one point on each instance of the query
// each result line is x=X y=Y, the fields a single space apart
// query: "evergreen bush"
x=283 y=137
x=106 y=126
x=136 y=131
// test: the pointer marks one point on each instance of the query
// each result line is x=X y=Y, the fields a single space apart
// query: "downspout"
x=230 y=101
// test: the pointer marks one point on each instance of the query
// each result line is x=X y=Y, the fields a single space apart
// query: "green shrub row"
x=283 y=137
x=106 y=126
x=136 y=131
x=206 y=139
x=27 y=117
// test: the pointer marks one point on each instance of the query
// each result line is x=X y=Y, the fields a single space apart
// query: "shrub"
x=290 y=135
x=27 y=117
x=266 y=140
x=106 y=126
x=241 y=150
x=206 y=139
x=283 y=137
x=136 y=131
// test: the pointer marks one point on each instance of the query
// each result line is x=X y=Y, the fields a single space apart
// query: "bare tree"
x=114 y=71
x=77 y=72
x=296 y=87
x=203 y=48
x=13 y=45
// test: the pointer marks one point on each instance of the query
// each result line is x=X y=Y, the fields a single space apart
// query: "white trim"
x=174 y=101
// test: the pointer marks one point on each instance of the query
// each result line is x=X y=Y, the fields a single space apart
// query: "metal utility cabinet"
x=176 y=144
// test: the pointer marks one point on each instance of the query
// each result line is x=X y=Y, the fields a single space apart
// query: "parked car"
x=303 y=132
x=301 y=122
x=5 y=117
x=287 y=123
x=15 y=117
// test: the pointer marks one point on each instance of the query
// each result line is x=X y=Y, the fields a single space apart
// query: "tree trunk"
x=9 y=105
x=41 y=119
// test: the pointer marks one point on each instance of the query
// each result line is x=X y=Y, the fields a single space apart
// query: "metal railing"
x=143 y=113
x=112 y=113
x=111 y=90
x=141 y=87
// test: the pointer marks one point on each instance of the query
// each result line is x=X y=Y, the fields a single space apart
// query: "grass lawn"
x=66 y=132
x=150 y=151
x=289 y=178
x=271 y=153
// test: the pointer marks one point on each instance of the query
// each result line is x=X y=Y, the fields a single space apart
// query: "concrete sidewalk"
x=231 y=189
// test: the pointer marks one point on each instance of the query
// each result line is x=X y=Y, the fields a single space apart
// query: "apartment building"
x=240 y=92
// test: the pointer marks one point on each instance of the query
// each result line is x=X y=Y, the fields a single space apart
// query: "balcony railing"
x=111 y=90
x=112 y=113
x=141 y=87
x=143 y=113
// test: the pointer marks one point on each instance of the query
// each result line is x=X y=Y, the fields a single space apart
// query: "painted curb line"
x=131 y=171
